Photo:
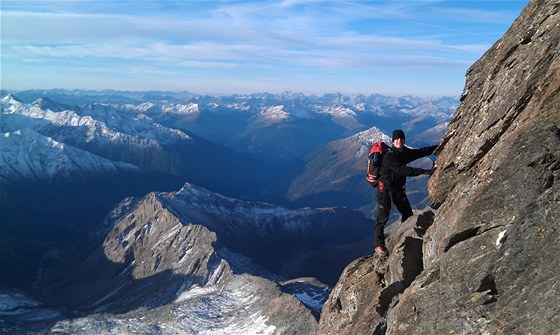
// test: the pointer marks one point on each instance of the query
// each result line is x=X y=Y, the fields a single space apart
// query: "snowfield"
x=233 y=310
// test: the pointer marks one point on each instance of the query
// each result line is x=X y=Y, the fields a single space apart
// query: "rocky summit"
x=484 y=259
x=147 y=270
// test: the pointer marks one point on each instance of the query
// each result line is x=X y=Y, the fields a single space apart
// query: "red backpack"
x=376 y=152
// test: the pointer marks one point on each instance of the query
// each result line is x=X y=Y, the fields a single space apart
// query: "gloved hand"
x=428 y=171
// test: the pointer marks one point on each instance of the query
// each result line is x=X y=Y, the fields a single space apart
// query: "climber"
x=391 y=187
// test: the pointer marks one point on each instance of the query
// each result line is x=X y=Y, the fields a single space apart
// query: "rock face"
x=370 y=285
x=146 y=245
x=489 y=262
x=154 y=270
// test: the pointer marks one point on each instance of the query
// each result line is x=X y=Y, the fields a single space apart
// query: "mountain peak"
x=373 y=134
x=185 y=109
x=271 y=115
x=152 y=258
x=9 y=100
x=46 y=103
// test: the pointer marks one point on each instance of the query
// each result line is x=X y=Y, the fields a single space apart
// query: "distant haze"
x=421 y=48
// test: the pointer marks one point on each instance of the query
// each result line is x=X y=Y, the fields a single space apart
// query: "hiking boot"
x=381 y=250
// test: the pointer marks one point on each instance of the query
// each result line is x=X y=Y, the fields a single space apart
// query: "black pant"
x=384 y=209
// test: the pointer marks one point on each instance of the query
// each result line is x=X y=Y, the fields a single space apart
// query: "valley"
x=193 y=200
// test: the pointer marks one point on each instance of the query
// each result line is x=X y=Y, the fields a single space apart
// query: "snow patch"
x=313 y=301
x=235 y=309
x=15 y=303
x=195 y=292
x=187 y=109
x=501 y=238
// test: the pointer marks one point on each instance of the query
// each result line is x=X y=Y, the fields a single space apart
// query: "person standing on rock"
x=391 y=187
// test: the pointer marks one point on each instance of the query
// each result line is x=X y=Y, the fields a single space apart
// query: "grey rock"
x=370 y=286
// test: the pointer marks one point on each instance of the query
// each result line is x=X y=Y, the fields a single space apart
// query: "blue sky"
x=421 y=48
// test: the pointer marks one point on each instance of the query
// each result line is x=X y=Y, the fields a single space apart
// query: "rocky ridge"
x=148 y=270
x=488 y=261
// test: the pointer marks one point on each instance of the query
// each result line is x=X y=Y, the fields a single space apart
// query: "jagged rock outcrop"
x=370 y=285
x=490 y=260
x=290 y=242
x=144 y=245
x=154 y=270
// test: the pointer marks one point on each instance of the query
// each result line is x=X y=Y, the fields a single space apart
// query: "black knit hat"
x=397 y=133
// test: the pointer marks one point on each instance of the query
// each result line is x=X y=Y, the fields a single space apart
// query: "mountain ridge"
x=156 y=270
x=239 y=154
x=70 y=162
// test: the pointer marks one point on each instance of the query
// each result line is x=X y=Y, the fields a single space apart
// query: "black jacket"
x=393 y=167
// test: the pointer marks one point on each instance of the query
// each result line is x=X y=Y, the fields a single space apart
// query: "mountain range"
x=197 y=201
x=175 y=213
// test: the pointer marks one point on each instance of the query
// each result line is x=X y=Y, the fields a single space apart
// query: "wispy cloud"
x=249 y=40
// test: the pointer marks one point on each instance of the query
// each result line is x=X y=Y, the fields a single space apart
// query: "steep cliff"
x=152 y=271
x=488 y=262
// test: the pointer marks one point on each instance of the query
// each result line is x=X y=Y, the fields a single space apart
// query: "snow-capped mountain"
x=124 y=135
x=271 y=115
x=344 y=116
x=245 y=305
x=68 y=157
x=305 y=123
x=146 y=268
x=188 y=109
x=336 y=168
x=273 y=236
x=43 y=103
x=27 y=154
x=308 y=122
x=196 y=260
x=92 y=123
